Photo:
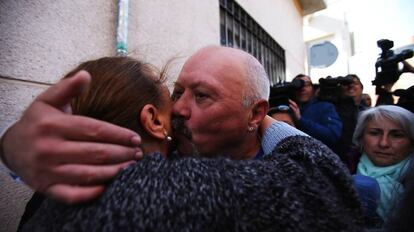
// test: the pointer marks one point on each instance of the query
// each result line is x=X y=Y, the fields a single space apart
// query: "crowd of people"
x=375 y=143
x=109 y=149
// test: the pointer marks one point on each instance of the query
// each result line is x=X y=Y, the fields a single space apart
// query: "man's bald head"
x=257 y=85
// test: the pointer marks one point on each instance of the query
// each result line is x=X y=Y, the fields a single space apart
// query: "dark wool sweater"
x=299 y=187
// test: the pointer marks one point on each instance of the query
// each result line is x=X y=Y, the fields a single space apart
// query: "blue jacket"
x=320 y=120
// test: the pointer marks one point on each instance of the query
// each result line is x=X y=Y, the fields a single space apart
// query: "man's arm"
x=273 y=132
x=67 y=157
x=328 y=128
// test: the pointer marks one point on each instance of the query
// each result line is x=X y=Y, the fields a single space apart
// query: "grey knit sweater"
x=301 y=186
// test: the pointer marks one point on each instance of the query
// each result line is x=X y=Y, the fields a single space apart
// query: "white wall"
x=283 y=22
x=321 y=27
x=42 y=40
x=385 y=19
x=160 y=30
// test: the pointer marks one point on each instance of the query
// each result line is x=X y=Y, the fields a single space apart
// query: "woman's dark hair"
x=119 y=89
x=283 y=109
x=300 y=75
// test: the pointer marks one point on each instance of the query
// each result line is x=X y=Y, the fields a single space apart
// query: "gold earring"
x=250 y=129
x=169 y=139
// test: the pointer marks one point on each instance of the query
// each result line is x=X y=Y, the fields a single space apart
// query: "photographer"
x=354 y=90
x=317 y=118
x=406 y=99
x=348 y=107
x=388 y=71
x=279 y=101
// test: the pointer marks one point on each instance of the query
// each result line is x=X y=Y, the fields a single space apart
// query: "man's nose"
x=181 y=107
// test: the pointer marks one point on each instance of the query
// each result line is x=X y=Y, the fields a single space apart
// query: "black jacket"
x=301 y=186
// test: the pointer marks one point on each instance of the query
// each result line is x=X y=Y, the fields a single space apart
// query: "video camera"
x=386 y=67
x=330 y=87
x=387 y=70
x=280 y=93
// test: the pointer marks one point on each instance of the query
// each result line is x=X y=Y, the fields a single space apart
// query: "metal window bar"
x=238 y=29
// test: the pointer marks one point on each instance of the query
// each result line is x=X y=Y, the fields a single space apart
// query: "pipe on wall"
x=122 y=28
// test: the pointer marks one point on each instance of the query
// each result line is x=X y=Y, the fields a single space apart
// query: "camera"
x=334 y=82
x=386 y=66
x=329 y=87
x=280 y=93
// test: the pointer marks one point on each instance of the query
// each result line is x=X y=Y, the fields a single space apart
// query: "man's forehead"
x=224 y=86
x=195 y=81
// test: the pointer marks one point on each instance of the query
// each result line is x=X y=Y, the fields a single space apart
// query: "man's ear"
x=151 y=122
x=258 y=113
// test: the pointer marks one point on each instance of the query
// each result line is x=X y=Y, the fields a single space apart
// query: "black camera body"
x=330 y=87
x=280 y=93
x=386 y=67
x=334 y=82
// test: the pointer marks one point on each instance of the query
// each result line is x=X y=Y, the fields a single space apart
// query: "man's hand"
x=295 y=109
x=407 y=67
x=68 y=157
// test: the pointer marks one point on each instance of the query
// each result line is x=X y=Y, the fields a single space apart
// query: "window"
x=239 y=30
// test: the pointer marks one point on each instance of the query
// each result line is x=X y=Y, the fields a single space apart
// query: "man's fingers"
x=72 y=194
x=93 y=153
x=88 y=175
x=93 y=130
x=60 y=94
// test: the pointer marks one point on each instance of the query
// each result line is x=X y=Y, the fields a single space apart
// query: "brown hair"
x=119 y=89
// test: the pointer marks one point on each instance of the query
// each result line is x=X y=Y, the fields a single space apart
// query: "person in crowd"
x=354 y=90
x=385 y=94
x=369 y=193
x=366 y=100
x=289 y=189
x=284 y=114
x=406 y=98
x=317 y=118
x=385 y=136
x=349 y=106
x=401 y=218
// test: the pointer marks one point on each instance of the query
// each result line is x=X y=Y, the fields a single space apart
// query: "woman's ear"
x=151 y=122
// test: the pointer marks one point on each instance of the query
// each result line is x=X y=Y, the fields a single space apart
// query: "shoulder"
x=318 y=177
x=314 y=160
x=277 y=132
x=308 y=148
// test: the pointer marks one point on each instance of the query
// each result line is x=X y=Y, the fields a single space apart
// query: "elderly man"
x=222 y=101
